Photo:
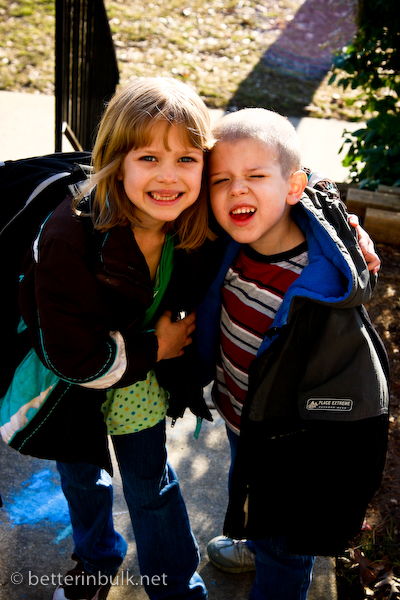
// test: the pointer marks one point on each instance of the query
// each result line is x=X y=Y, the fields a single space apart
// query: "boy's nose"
x=238 y=188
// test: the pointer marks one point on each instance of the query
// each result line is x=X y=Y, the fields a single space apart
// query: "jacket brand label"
x=330 y=404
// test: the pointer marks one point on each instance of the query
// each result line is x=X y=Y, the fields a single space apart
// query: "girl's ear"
x=298 y=181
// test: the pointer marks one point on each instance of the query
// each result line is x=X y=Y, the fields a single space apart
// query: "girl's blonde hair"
x=128 y=123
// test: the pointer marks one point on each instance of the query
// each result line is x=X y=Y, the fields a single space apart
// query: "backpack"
x=30 y=189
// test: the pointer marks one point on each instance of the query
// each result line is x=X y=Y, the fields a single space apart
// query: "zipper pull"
x=198 y=427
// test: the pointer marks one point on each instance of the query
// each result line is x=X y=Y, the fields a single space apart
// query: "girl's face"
x=161 y=182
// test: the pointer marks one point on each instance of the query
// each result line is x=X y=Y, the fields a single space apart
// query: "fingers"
x=354 y=220
x=366 y=244
x=173 y=336
x=373 y=263
x=189 y=323
x=190 y=319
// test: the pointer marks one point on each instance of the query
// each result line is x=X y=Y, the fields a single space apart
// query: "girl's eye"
x=186 y=159
x=148 y=158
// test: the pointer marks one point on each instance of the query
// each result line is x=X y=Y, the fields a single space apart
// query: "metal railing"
x=86 y=70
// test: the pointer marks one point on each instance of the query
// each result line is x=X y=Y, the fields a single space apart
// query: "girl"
x=101 y=304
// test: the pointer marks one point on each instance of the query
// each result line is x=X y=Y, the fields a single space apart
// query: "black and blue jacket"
x=83 y=298
x=314 y=424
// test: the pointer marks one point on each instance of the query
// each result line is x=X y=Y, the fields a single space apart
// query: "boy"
x=301 y=374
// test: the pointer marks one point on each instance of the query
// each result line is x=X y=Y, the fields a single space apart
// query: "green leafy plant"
x=372 y=65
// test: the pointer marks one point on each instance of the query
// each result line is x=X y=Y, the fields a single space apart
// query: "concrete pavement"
x=27 y=129
x=35 y=533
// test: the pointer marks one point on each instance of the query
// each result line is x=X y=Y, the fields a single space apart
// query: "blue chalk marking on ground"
x=63 y=534
x=40 y=499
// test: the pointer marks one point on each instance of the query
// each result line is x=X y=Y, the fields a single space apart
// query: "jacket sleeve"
x=71 y=324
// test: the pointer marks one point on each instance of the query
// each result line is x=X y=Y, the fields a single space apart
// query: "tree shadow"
x=35 y=550
x=37 y=545
x=294 y=66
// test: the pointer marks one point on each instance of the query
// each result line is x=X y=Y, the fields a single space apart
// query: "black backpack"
x=30 y=190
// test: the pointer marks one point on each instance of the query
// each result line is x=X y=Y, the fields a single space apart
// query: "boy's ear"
x=298 y=181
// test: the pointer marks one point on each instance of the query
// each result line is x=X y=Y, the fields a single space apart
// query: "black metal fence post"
x=86 y=72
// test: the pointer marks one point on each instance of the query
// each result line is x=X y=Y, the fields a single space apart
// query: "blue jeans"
x=167 y=550
x=279 y=574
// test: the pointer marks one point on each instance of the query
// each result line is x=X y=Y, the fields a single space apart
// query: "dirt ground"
x=375 y=556
x=384 y=310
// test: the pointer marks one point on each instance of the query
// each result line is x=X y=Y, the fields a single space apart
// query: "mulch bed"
x=374 y=560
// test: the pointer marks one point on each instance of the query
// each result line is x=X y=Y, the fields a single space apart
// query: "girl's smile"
x=164 y=178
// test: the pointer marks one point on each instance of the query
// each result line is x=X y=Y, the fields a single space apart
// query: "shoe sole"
x=101 y=594
x=244 y=569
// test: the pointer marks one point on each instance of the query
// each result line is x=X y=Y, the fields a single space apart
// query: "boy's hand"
x=366 y=245
x=173 y=337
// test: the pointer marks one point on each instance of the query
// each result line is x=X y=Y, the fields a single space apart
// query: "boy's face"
x=250 y=198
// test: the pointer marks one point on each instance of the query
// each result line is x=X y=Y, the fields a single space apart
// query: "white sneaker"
x=232 y=556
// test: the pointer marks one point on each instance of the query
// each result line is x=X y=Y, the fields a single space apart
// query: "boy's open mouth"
x=243 y=213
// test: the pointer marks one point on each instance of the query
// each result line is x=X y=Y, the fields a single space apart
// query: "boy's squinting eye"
x=216 y=181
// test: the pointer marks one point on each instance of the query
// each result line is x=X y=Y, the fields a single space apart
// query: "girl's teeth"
x=164 y=198
x=241 y=211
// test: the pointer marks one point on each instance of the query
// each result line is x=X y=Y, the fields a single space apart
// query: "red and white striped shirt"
x=252 y=293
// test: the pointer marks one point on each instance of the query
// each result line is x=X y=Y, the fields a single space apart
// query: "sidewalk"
x=35 y=533
x=27 y=129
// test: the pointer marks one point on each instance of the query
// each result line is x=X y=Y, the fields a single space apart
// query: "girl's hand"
x=173 y=337
x=366 y=245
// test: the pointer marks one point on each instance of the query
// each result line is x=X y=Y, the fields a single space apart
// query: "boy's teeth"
x=241 y=211
x=164 y=198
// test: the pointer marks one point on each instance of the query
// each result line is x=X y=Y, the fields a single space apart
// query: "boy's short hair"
x=266 y=126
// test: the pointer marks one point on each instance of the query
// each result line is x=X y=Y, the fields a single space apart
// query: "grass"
x=217 y=46
x=27 y=51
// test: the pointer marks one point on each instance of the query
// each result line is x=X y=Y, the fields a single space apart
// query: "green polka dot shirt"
x=135 y=407
x=144 y=403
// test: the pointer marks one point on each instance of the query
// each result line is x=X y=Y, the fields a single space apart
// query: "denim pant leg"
x=279 y=575
x=233 y=443
x=89 y=493
x=167 y=551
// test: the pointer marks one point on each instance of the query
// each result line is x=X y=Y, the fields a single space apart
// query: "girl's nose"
x=167 y=174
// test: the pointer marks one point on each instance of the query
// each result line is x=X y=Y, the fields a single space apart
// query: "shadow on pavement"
x=35 y=531
x=293 y=67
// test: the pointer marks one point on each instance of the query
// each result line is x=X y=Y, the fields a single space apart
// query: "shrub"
x=372 y=63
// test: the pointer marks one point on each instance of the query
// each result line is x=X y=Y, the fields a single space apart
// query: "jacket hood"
x=336 y=274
